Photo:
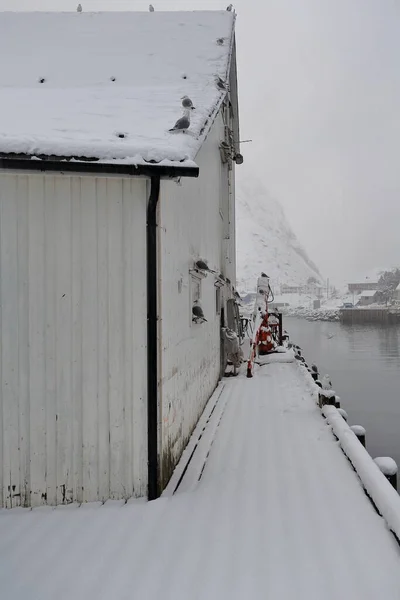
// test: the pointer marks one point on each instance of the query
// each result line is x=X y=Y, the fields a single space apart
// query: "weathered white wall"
x=73 y=336
x=192 y=225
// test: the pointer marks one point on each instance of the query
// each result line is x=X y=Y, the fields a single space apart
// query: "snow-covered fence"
x=379 y=477
x=360 y=433
x=389 y=468
x=378 y=488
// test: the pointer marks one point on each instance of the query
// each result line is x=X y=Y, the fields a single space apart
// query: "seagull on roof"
x=79 y=8
x=151 y=8
x=220 y=83
x=186 y=102
x=229 y=7
x=183 y=123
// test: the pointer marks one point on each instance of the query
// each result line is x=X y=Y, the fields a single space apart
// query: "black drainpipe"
x=152 y=342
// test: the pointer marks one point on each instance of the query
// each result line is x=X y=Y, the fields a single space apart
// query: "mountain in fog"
x=265 y=241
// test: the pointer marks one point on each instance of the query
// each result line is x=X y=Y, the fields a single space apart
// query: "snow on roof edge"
x=213 y=116
x=65 y=133
x=165 y=169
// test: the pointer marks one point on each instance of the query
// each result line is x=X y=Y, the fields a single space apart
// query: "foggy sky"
x=319 y=92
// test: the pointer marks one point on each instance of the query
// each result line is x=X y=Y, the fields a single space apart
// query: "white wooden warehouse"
x=104 y=213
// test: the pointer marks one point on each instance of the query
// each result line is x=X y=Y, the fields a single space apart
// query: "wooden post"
x=360 y=433
x=280 y=329
x=326 y=398
x=389 y=468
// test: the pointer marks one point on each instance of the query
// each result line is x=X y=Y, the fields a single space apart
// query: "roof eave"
x=215 y=111
x=90 y=167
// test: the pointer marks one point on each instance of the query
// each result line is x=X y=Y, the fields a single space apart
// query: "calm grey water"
x=364 y=364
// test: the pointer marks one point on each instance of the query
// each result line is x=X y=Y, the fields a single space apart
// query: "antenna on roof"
x=151 y=8
x=79 y=8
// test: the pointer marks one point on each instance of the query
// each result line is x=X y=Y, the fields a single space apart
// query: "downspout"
x=152 y=344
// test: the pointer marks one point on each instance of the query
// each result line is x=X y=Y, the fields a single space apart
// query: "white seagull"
x=183 y=123
x=151 y=8
x=186 y=102
x=79 y=8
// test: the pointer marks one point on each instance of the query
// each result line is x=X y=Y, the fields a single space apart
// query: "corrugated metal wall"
x=73 y=336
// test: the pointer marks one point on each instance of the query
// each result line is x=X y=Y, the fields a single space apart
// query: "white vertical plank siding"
x=89 y=339
x=73 y=339
x=9 y=319
x=76 y=351
x=103 y=421
x=21 y=199
x=63 y=305
x=128 y=344
x=36 y=339
x=191 y=226
x=116 y=336
x=139 y=364
x=51 y=275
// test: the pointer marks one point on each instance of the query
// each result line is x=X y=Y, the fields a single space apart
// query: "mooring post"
x=360 y=433
x=388 y=467
x=326 y=398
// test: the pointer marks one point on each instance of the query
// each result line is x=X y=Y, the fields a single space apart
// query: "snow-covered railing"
x=378 y=488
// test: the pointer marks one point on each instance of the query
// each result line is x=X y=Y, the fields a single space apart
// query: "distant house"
x=104 y=215
x=396 y=294
x=367 y=297
x=357 y=288
x=312 y=289
x=290 y=289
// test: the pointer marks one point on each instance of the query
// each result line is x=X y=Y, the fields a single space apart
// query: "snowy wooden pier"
x=264 y=505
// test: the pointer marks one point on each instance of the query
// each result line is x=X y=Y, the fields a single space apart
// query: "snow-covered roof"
x=72 y=83
x=368 y=293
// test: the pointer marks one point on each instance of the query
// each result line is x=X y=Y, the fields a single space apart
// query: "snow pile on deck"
x=385 y=497
x=278 y=514
x=72 y=84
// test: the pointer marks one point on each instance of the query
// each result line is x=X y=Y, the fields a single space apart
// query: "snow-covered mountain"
x=265 y=241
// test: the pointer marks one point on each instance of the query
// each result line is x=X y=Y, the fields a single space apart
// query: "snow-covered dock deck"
x=278 y=513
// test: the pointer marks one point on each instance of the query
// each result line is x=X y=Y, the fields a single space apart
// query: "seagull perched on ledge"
x=187 y=103
x=151 y=8
x=203 y=266
x=220 y=83
x=197 y=313
x=183 y=123
x=79 y=8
